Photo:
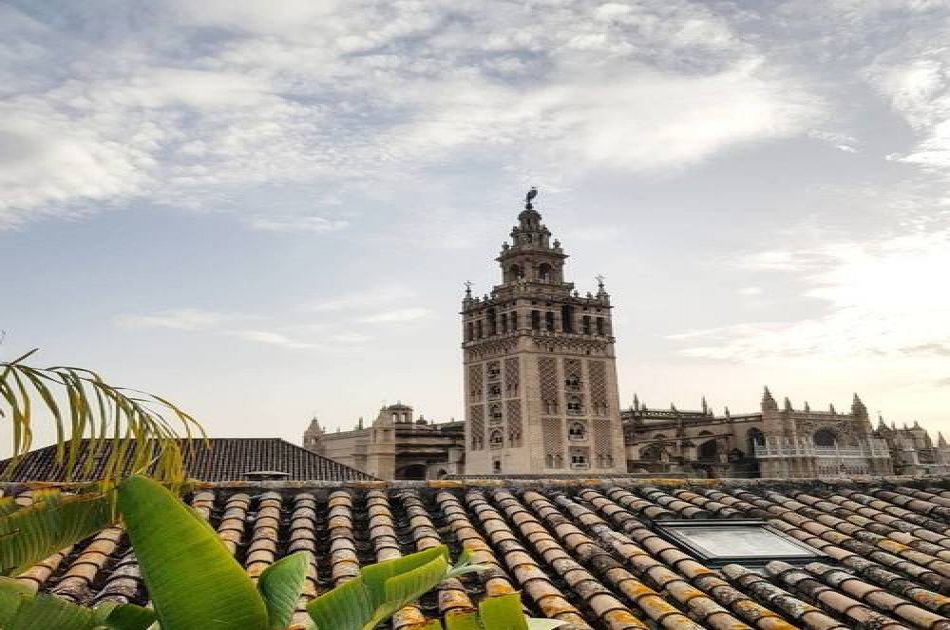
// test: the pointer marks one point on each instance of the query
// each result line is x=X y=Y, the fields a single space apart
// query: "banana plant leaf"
x=280 y=585
x=21 y=609
x=193 y=580
x=383 y=588
x=54 y=521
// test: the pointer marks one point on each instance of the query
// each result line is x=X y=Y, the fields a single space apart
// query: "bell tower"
x=540 y=375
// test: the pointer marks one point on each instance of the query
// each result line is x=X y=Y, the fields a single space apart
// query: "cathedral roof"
x=594 y=553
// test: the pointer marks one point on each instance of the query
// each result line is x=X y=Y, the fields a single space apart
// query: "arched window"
x=494 y=413
x=495 y=439
x=536 y=320
x=544 y=271
x=492 y=322
x=577 y=431
x=496 y=466
x=469 y=331
x=600 y=326
x=575 y=405
x=651 y=453
x=515 y=272
x=708 y=451
x=585 y=324
x=549 y=321
x=825 y=437
x=572 y=382
x=494 y=390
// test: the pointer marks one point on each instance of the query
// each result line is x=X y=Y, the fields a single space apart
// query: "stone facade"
x=540 y=375
x=397 y=445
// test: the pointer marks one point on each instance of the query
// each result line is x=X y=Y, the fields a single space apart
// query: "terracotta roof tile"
x=583 y=553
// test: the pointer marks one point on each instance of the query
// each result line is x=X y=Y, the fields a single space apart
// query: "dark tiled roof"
x=225 y=459
x=582 y=552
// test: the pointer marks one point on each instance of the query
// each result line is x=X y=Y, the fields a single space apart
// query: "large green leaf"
x=193 y=580
x=54 y=521
x=21 y=609
x=280 y=585
x=380 y=590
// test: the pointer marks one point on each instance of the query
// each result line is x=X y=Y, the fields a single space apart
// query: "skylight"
x=747 y=542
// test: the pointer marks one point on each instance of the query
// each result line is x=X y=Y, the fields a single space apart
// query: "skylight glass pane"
x=737 y=541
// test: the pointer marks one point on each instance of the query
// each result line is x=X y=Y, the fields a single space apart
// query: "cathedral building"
x=540 y=376
x=541 y=398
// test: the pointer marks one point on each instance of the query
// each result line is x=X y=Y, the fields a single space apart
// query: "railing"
x=778 y=447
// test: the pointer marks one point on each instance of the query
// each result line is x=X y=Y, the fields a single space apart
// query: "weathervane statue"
x=527 y=198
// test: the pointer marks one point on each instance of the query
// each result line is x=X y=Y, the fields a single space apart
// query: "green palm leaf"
x=125 y=427
x=193 y=580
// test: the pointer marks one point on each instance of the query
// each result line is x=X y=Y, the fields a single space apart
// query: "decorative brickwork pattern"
x=477 y=420
x=598 y=386
x=512 y=376
x=547 y=373
x=513 y=413
x=603 y=445
x=475 y=382
x=553 y=442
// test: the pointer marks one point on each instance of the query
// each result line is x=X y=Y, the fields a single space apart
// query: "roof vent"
x=266 y=475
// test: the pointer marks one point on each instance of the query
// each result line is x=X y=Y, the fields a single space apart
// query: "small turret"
x=831 y=409
x=857 y=408
x=807 y=407
x=788 y=404
x=768 y=403
x=941 y=442
x=705 y=407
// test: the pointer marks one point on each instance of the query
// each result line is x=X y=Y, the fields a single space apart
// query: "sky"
x=267 y=210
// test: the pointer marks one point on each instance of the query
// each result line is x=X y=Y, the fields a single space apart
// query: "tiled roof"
x=225 y=459
x=583 y=552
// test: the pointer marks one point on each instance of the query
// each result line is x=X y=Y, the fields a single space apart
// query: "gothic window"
x=651 y=453
x=478 y=329
x=492 y=322
x=544 y=271
x=504 y=322
x=600 y=326
x=536 y=320
x=549 y=321
x=577 y=431
x=495 y=439
x=825 y=437
x=494 y=413
x=515 y=272
x=514 y=322
x=575 y=405
x=469 y=331
x=754 y=438
x=585 y=325
x=579 y=460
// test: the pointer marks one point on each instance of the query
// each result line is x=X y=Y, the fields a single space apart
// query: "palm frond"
x=132 y=431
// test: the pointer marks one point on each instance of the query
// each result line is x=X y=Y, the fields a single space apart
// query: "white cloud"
x=272 y=338
x=296 y=225
x=177 y=319
x=328 y=93
x=883 y=299
x=396 y=316
x=750 y=291
x=360 y=301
